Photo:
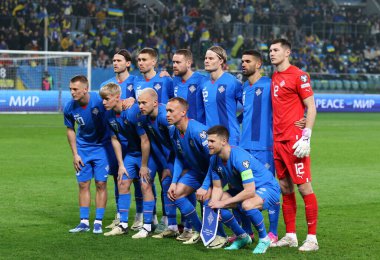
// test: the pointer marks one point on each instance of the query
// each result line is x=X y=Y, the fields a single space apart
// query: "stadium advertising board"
x=7 y=77
x=52 y=101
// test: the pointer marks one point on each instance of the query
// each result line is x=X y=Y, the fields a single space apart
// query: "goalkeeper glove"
x=302 y=146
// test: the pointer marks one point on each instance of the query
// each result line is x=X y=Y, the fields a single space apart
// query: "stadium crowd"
x=347 y=43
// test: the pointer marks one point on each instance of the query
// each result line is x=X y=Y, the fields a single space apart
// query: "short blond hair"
x=110 y=89
x=220 y=52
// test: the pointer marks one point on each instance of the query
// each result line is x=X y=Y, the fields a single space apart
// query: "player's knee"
x=101 y=185
x=250 y=204
x=84 y=186
x=305 y=189
x=146 y=188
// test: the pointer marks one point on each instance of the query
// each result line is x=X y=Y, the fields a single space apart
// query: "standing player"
x=121 y=65
x=91 y=149
x=291 y=94
x=189 y=140
x=188 y=84
x=251 y=186
x=256 y=136
x=147 y=61
x=221 y=93
x=132 y=147
x=157 y=129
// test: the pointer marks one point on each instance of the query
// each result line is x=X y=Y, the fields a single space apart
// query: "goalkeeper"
x=291 y=94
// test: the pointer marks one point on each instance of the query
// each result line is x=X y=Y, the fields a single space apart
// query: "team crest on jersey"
x=282 y=83
x=246 y=164
x=304 y=78
x=221 y=89
x=179 y=146
x=130 y=87
x=95 y=111
x=258 y=92
x=203 y=134
x=192 y=88
x=157 y=86
x=114 y=125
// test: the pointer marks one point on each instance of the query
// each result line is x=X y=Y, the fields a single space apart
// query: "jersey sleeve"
x=201 y=114
x=303 y=85
x=238 y=91
x=68 y=119
x=169 y=87
x=243 y=166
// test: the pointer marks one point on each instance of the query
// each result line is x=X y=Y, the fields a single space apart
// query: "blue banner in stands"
x=53 y=101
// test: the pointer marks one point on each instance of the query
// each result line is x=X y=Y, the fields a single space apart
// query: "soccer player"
x=121 y=65
x=252 y=187
x=291 y=95
x=221 y=93
x=188 y=84
x=132 y=148
x=189 y=140
x=157 y=129
x=91 y=149
x=257 y=135
x=147 y=61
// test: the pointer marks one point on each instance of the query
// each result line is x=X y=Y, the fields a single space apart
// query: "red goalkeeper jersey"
x=289 y=88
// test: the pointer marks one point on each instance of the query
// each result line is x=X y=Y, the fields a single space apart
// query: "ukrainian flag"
x=115 y=12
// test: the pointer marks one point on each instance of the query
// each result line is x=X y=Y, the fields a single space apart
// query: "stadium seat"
x=316 y=83
x=332 y=84
x=325 y=84
x=363 y=85
x=347 y=84
x=339 y=84
x=354 y=85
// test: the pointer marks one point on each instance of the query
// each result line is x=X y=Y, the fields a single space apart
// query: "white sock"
x=311 y=237
x=155 y=220
x=124 y=224
x=85 y=221
x=165 y=220
x=148 y=227
x=292 y=235
x=139 y=216
x=118 y=215
x=98 y=222
x=173 y=227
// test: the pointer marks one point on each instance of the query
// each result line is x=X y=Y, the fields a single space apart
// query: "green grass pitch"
x=39 y=197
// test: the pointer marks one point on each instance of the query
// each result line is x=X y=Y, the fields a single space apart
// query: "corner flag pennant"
x=209 y=224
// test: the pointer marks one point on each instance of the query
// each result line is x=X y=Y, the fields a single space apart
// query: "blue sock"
x=138 y=197
x=124 y=204
x=229 y=220
x=170 y=207
x=148 y=211
x=257 y=219
x=84 y=212
x=220 y=231
x=193 y=199
x=155 y=198
x=188 y=210
x=244 y=221
x=99 y=213
x=274 y=213
x=116 y=192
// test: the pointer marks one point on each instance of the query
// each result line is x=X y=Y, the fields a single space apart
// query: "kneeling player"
x=252 y=186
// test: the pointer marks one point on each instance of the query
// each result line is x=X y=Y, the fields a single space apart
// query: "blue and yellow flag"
x=115 y=12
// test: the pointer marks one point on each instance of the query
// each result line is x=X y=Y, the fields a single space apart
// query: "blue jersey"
x=127 y=89
x=162 y=85
x=158 y=134
x=191 y=149
x=257 y=126
x=92 y=129
x=220 y=100
x=241 y=168
x=191 y=91
x=125 y=127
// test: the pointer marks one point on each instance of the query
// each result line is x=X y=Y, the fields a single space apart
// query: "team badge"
x=95 y=111
x=114 y=126
x=126 y=121
x=304 y=78
x=203 y=134
x=258 y=92
x=192 y=88
x=157 y=87
x=246 y=164
x=282 y=83
x=221 y=89
x=130 y=87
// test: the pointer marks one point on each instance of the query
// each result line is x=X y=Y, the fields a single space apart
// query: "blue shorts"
x=270 y=193
x=266 y=158
x=132 y=165
x=192 y=179
x=112 y=160
x=96 y=164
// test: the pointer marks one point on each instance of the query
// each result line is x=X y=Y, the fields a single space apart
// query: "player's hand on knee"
x=78 y=163
x=171 y=192
x=200 y=194
x=121 y=172
x=127 y=103
x=145 y=174
x=302 y=146
x=166 y=173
